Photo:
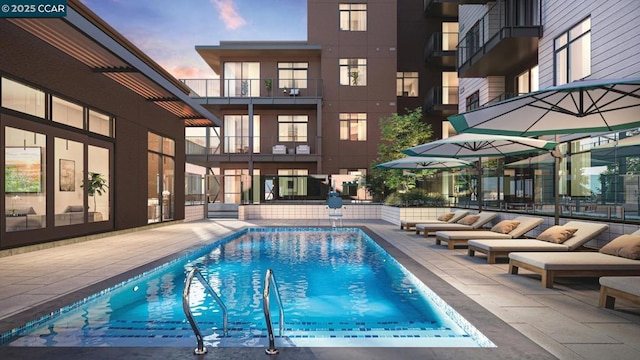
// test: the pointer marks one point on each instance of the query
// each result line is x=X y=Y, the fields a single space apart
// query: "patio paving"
x=522 y=318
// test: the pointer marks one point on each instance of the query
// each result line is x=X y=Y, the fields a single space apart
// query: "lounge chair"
x=624 y=287
x=480 y=220
x=496 y=248
x=620 y=257
x=457 y=215
x=506 y=229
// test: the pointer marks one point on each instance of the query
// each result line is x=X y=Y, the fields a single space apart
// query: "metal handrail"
x=268 y=280
x=187 y=309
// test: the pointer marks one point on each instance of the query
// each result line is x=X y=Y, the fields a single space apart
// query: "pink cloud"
x=232 y=20
x=188 y=72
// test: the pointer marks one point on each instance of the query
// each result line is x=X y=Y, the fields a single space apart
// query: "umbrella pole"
x=479 y=186
x=556 y=181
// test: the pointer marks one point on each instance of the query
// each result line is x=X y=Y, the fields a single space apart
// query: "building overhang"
x=212 y=53
x=87 y=38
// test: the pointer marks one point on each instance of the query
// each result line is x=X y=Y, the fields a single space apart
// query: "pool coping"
x=511 y=344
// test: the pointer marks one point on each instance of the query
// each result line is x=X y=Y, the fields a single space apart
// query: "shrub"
x=415 y=197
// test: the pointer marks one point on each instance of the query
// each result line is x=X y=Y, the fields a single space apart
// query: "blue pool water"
x=338 y=288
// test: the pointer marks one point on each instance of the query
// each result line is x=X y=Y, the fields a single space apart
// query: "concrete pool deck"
x=514 y=311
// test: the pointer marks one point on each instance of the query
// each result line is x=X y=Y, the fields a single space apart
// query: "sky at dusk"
x=168 y=30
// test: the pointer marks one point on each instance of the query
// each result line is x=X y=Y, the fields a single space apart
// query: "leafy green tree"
x=397 y=133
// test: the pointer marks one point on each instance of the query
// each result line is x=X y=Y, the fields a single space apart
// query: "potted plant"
x=96 y=184
x=268 y=84
x=354 y=78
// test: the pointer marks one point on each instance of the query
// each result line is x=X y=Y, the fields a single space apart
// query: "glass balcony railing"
x=196 y=145
x=264 y=87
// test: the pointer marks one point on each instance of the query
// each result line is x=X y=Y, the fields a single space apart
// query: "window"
x=572 y=53
x=160 y=178
x=292 y=182
x=67 y=113
x=239 y=187
x=236 y=134
x=241 y=79
x=292 y=75
x=449 y=36
x=353 y=127
x=25 y=179
x=450 y=88
x=292 y=128
x=353 y=72
x=68 y=178
x=407 y=84
x=23 y=98
x=100 y=123
x=473 y=101
x=527 y=81
x=353 y=17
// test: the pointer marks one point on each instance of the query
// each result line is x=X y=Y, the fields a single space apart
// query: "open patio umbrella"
x=584 y=106
x=424 y=163
x=479 y=145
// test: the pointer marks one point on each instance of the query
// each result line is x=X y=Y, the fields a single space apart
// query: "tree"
x=397 y=133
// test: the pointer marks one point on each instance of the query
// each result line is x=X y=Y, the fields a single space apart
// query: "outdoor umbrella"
x=424 y=163
x=479 y=145
x=584 y=106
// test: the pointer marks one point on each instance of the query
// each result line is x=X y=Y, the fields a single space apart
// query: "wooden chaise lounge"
x=494 y=248
x=456 y=215
x=619 y=257
x=623 y=287
x=505 y=229
x=479 y=220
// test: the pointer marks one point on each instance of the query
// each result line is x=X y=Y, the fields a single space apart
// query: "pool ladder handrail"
x=270 y=279
x=201 y=349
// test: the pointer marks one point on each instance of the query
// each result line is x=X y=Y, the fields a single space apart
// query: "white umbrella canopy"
x=424 y=163
x=479 y=145
x=584 y=106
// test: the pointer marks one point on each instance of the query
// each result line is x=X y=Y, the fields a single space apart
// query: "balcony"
x=442 y=100
x=505 y=37
x=440 y=49
x=441 y=8
x=236 y=149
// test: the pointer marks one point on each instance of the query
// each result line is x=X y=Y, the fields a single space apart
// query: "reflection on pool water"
x=338 y=288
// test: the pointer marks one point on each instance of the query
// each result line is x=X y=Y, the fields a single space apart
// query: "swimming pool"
x=339 y=288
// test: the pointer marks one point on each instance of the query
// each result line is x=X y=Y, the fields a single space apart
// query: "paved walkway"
x=564 y=321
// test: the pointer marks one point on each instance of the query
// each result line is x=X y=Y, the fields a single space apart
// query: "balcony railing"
x=502 y=97
x=506 y=18
x=441 y=44
x=239 y=145
x=264 y=87
x=439 y=97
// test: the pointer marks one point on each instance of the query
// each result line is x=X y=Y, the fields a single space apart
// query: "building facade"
x=92 y=131
x=302 y=117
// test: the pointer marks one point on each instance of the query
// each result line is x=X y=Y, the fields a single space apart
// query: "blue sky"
x=169 y=30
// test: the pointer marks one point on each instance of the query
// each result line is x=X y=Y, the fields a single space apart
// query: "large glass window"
x=236 y=134
x=353 y=17
x=100 y=123
x=98 y=183
x=353 y=126
x=69 y=182
x=292 y=182
x=527 y=81
x=473 y=101
x=450 y=88
x=353 y=72
x=293 y=75
x=292 y=128
x=407 y=84
x=239 y=187
x=573 y=53
x=66 y=112
x=23 y=98
x=449 y=36
x=160 y=178
x=242 y=79
x=25 y=180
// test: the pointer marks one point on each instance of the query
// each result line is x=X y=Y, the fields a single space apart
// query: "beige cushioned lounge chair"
x=496 y=248
x=577 y=264
x=457 y=215
x=624 y=287
x=484 y=218
x=453 y=238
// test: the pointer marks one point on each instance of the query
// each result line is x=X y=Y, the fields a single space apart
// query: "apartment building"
x=301 y=117
x=510 y=47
